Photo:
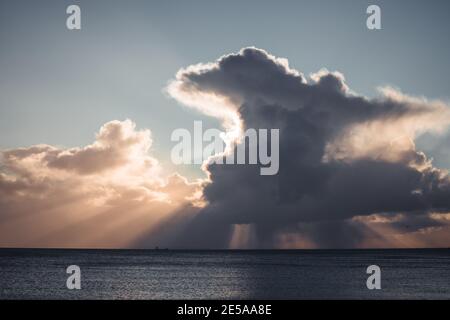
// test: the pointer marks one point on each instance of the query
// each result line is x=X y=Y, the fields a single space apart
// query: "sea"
x=224 y=274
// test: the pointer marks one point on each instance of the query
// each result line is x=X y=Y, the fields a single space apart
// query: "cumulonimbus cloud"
x=344 y=160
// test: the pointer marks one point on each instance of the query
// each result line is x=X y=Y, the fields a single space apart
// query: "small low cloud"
x=105 y=194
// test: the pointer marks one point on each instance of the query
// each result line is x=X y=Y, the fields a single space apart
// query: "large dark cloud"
x=342 y=156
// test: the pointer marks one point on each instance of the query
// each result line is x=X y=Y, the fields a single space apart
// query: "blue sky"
x=59 y=86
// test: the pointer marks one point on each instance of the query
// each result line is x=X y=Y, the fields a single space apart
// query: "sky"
x=60 y=87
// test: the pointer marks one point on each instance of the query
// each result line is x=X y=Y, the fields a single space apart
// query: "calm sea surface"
x=160 y=274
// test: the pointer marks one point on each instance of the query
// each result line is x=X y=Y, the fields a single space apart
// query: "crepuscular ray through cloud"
x=105 y=194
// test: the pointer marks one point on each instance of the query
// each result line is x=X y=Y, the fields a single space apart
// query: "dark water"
x=149 y=274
